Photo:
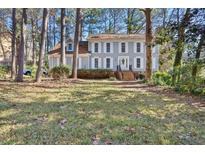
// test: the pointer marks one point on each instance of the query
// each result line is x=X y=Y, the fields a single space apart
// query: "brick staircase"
x=125 y=75
x=128 y=76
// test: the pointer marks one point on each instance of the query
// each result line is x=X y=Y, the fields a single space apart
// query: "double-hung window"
x=70 y=47
x=108 y=63
x=138 y=47
x=123 y=48
x=138 y=62
x=96 y=63
x=96 y=47
x=108 y=47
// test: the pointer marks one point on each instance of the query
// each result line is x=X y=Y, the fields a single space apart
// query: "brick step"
x=128 y=76
x=125 y=75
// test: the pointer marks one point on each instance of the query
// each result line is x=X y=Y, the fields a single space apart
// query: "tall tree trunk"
x=81 y=32
x=76 y=42
x=13 y=45
x=197 y=56
x=19 y=77
x=148 y=39
x=129 y=25
x=33 y=43
x=54 y=30
x=42 y=45
x=180 y=47
x=62 y=60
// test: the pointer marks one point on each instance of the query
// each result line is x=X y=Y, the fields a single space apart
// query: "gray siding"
x=85 y=62
x=131 y=54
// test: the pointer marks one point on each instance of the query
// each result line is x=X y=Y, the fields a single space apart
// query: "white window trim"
x=93 y=47
x=105 y=47
x=120 y=47
x=105 y=64
x=141 y=62
x=93 y=62
x=68 y=47
x=141 y=47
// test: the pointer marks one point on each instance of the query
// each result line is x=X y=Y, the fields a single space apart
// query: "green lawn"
x=95 y=113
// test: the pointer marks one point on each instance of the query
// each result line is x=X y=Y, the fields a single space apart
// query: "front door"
x=123 y=62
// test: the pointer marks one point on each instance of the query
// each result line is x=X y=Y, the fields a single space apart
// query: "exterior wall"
x=86 y=61
x=131 y=54
x=83 y=61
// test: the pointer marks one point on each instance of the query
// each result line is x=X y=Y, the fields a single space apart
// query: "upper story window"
x=107 y=47
x=138 y=47
x=70 y=47
x=123 y=47
x=96 y=47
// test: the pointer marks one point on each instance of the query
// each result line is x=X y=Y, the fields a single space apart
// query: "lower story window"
x=96 y=62
x=138 y=62
x=107 y=62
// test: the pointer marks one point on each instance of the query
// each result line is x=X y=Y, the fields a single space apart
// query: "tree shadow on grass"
x=108 y=116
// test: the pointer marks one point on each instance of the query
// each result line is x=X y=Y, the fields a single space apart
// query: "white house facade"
x=109 y=51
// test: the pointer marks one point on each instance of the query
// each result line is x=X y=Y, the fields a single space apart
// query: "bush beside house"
x=60 y=72
x=95 y=73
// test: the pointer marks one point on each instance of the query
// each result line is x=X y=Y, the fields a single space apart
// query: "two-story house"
x=108 y=51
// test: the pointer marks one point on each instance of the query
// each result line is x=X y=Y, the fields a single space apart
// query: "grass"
x=95 y=113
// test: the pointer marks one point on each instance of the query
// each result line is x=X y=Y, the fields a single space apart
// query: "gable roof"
x=96 y=37
x=83 y=48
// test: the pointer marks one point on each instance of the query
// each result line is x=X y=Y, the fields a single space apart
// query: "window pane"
x=138 y=47
x=123 y=47
x=107 y=62
x=70 y=47
x=96 y=62
x=138 y=63
x=96 y=47
x=107 y=47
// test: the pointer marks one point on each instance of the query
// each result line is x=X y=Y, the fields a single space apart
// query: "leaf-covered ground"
x=95 y=113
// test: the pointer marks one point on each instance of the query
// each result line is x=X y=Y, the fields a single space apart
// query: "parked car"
x=27 y=72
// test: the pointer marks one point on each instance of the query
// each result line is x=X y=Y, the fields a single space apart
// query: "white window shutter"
x=104 y=62
x=111 y=47
x=99 y=47
x=126 y=47
x=111 y=63
x=92 y=47
x=99 y=63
